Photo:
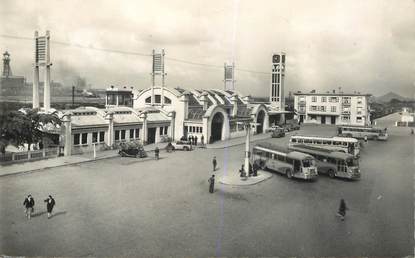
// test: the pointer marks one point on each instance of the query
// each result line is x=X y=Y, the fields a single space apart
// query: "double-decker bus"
x=343 y=144
x=281 y=159
x=332 y=163
x=371 y=133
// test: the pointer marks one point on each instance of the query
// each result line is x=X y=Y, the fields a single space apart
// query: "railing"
x=16 y=157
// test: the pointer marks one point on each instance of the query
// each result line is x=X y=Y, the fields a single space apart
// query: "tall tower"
x=277 y=97
x=229 y=76
x=158 y=69
x=7 y=70
x=42 y=58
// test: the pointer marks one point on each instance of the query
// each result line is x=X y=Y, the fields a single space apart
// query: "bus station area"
x=143 y=207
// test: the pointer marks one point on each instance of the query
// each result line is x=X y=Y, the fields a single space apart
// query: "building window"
x=322 y=108
x=161 y=130
x=76 y=139
x=346 y=118
x=131 y=133
x=101 y=136
x=359 y=119
x=94 y=137
x=84 y=138
x=157 y=99
x=333 y=99
x=122 y=134
x=313 y=108
x=323 y=99
x=201 y=129
x=167 y=100
x=117 y=135
x=333 y=108
x=148 y=100
x=137 y=133
x=313 y=99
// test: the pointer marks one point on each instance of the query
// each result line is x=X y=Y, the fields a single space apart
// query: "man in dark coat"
x=202 y=139
x=157 y=152
x=214 y=163
x=29 y=203
x=211 y=184
x=342 y=209
x=195 y=140
x=50 y=202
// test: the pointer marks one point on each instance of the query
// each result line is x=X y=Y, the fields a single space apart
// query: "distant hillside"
x=389 y=96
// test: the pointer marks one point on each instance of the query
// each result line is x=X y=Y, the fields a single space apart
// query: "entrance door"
x=260 y=121
x=323 y=120
x=151 y=136
x=301 y=119
x=333 y=120
x=217 y=125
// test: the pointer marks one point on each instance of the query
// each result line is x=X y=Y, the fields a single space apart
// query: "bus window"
x=281 y=158
x=289 y=160
x=307 y=163
x=293 y=140
x=352 y=162
x=326 y=142
x=307 y=141
x=267 y=154
x=331 y=160
x=297 y=165
x=345 y=143
x=300 y=140
x=317 y=142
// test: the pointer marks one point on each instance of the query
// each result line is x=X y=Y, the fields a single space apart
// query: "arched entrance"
x=260 y=121
x=216 y=128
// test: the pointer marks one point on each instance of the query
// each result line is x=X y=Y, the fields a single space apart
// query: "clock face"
x=276 y=58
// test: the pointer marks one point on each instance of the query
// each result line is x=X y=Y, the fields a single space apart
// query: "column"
x=157 y=139
x=68 y=134
x=110 y=139
x=247 y=148
x=172 y=116
x=35 y=99
x=144 y=129
x=266 y=122
x=46 y=84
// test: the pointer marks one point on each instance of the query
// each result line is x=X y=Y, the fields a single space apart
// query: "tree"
x=25 y=127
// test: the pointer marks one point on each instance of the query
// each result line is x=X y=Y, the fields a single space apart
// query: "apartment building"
x=332 y=108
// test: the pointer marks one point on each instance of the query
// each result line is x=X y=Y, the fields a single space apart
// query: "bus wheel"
x=331 y=173
x=289 y=173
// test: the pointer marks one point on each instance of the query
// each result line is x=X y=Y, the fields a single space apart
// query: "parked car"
x=182 y=145
x=132 y=149
x=272 y=128
x=278 y=133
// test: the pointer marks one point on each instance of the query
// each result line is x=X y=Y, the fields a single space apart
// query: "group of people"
x=193 y=139
x=29 y=203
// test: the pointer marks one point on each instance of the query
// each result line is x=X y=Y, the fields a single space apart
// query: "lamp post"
x=247 y=145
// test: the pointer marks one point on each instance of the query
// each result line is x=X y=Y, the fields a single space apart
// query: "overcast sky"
x=366 y=46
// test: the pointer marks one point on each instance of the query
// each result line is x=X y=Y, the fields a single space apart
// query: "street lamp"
x=247 y=126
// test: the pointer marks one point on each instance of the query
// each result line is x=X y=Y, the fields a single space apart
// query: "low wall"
x=17 y=157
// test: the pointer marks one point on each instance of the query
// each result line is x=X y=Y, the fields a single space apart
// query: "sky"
x=366 y=46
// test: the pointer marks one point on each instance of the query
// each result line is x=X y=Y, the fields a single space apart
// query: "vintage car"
x=278 y=133
x=182 y=145
x=132 y=149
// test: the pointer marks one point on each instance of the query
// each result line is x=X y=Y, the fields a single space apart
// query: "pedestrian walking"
x=29 y=203
x=195 y=140
x=214 y=163
x=191 y=139
x=157 y=153
x=50 y=203
x=412 y=131
x=211 y=184
x=342 y=209
x=202 y=139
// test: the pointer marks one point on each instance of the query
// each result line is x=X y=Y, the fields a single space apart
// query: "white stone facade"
x=332 y=108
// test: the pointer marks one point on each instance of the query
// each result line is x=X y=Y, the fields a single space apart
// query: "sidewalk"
x=237 y=141
x=31 y=166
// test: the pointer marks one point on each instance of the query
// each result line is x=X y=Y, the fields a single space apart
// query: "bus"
x=343 y=144
x=360 y=132
x=332 y=163
x=291 y=163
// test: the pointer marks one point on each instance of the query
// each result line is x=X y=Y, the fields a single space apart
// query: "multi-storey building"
x=332 y=108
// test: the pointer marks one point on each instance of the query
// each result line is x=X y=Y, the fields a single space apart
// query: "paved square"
x=125 y=207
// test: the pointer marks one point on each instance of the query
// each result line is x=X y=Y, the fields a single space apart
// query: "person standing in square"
x=211 y=184
x=214 y=163
x=29 y=203
x=50 y=203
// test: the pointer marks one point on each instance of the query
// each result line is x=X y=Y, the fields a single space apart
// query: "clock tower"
x=276 y=98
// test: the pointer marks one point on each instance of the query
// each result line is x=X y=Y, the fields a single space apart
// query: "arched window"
x=148 y=100
x=167 y=100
